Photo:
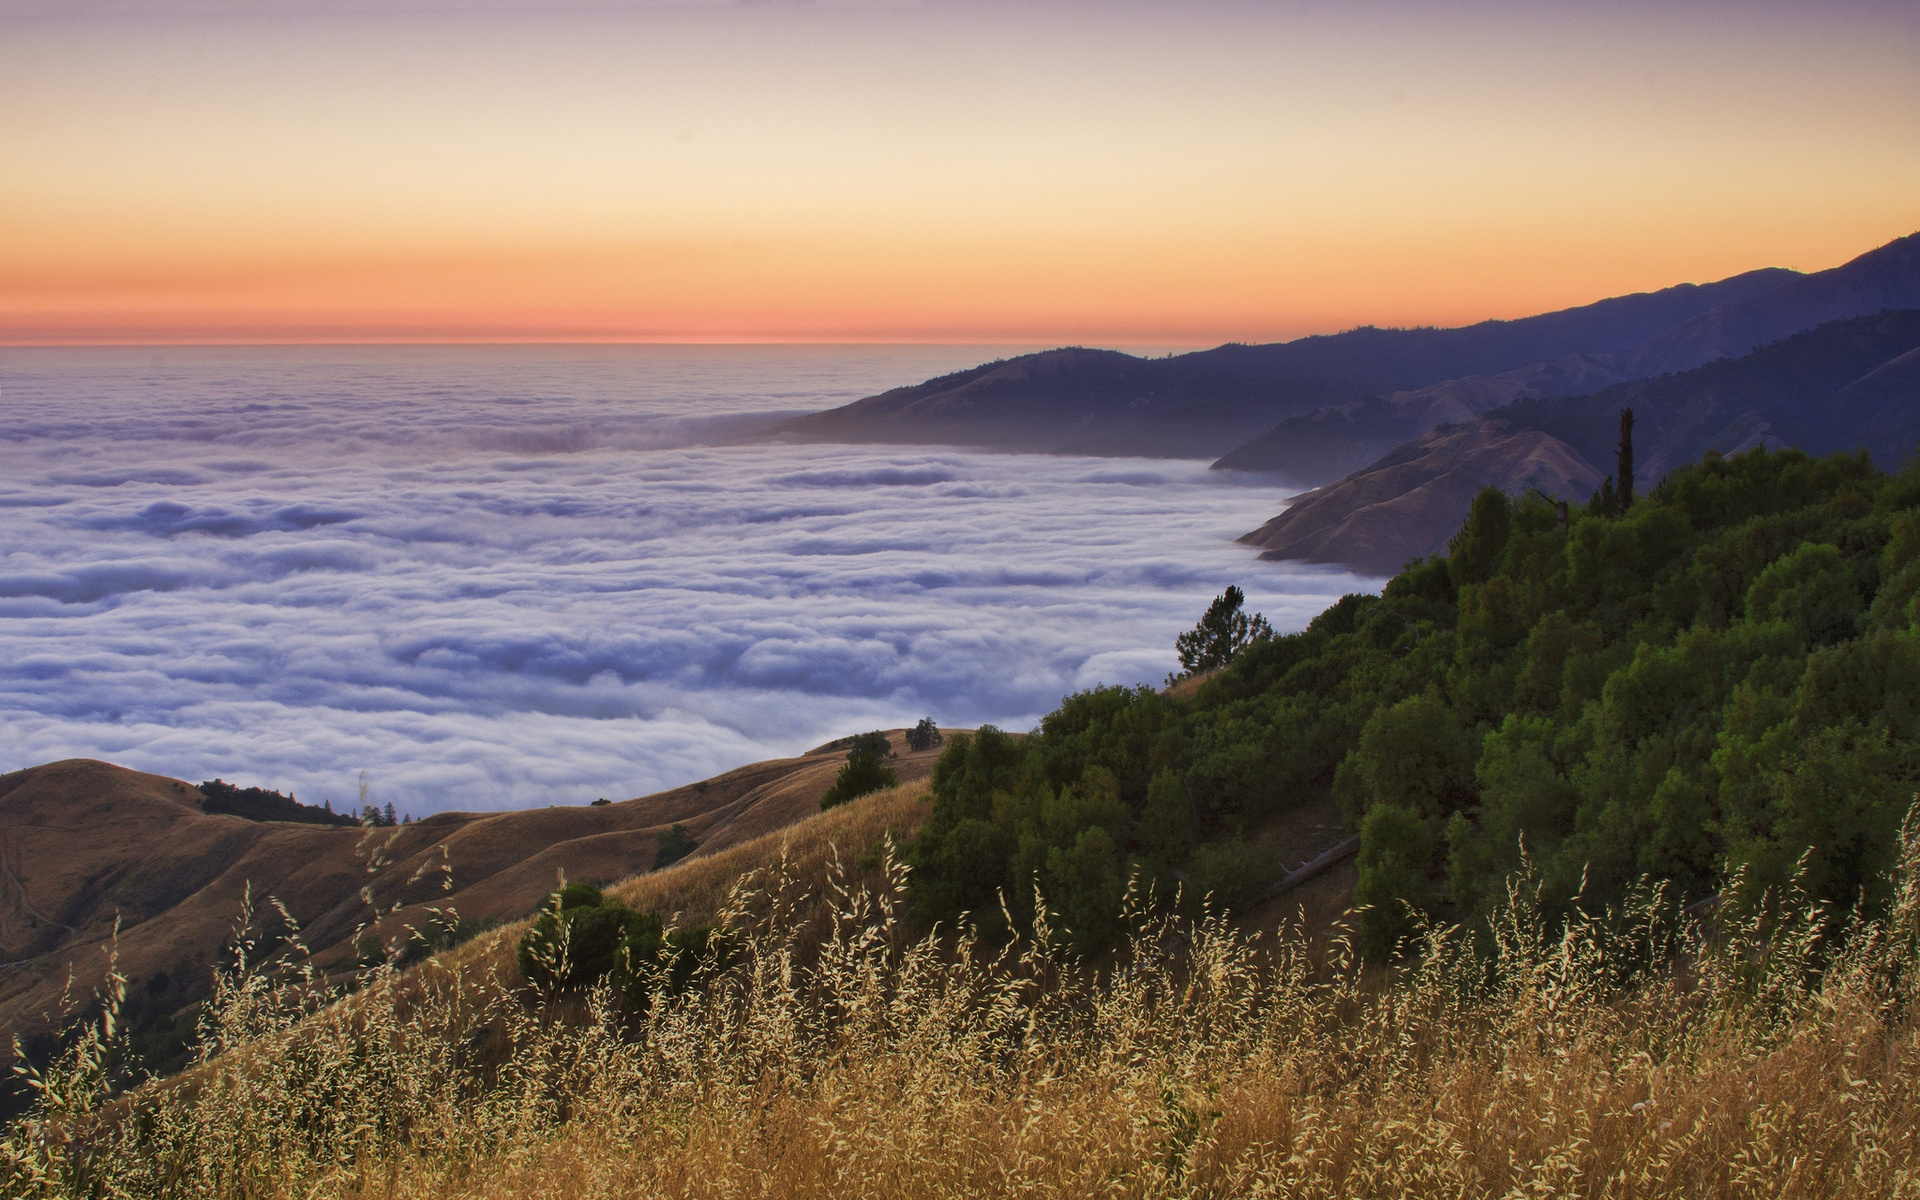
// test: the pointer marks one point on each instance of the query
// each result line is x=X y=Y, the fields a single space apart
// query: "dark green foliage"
x=258 y=804
x=924 y=736
x=675 y=844
x=1399 y=848
x=864 y=772
x=1223 y=632
x=688 y=952
x=1724 y=674
x=605 y=940
x=1623 y=470
x=874 y=742
x=594 y=929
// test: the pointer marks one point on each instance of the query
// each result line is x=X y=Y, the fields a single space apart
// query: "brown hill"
x=1406 y=505
x=84 y=843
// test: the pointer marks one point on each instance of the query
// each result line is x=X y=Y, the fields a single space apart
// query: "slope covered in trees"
x=1724 y=678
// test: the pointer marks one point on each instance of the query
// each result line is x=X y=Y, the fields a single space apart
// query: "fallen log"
x=1318 y=866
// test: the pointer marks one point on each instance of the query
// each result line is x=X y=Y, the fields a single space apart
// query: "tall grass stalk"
x=1640 y=1052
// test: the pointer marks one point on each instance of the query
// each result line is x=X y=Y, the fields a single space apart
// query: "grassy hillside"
x=90 y=848
x=1639 y=874
x=838 y=1056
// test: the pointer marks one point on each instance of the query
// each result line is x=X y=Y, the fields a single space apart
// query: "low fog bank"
x=488 y=595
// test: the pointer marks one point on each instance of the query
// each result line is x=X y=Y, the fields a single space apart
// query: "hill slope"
x=84 y=843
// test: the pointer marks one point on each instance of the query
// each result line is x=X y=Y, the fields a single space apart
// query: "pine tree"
x=1623 y=486
x=1222 y=633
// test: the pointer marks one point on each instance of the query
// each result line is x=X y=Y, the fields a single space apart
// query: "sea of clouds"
x=497 y=577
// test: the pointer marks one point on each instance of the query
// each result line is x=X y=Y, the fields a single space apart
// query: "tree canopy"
x=1723 y=676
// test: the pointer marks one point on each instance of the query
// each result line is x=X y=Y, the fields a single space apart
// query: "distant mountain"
x=1886 y=278
x=1312 y=448
x=1847 y=385
x=85 y=844
x=1205 y=403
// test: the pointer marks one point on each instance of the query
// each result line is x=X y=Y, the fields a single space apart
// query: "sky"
x=1019 y=173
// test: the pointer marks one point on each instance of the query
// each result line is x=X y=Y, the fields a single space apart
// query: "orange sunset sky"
x=1108 y=173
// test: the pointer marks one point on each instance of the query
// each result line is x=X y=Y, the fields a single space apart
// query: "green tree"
x=1415 y=754
x=675 y=844
x=1393 y=884
x=1223 y=632
x=1813 y=590
x=1165 y=831
x=1720 y=671
x=863 y=772
x=1088 y=880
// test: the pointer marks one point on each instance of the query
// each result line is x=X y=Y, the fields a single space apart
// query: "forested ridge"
x=1724 y=677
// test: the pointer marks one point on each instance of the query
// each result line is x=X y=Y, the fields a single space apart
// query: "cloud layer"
x=498 y=578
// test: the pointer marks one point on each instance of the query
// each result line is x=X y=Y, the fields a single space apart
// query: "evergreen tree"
x=1222 y=633
x=1623 y=467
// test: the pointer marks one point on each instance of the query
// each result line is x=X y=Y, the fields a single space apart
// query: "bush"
x=583 y=937
x=1232 y=873
x=863 y=771
x=675 y=844
x=577 y=940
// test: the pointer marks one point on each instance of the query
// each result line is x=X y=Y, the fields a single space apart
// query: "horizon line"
x=289 y=343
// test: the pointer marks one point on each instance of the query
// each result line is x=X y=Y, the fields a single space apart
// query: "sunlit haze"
x=1020 y=173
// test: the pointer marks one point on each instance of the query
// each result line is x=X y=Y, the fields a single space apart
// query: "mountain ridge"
x=1318 y=447
x=1846 y=385
x=1204 y=404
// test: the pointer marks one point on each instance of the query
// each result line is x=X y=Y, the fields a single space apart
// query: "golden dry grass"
x=695 y=891
x=1635 y=1055
x=91 y=843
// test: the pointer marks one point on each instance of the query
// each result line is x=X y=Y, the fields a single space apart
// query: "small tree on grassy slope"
x=863 y=772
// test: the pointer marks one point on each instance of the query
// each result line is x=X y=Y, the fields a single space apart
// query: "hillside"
x=85 y=843
x=1202 y=405
x=1723 y=679
x=1316 y=447
x=1847 y=385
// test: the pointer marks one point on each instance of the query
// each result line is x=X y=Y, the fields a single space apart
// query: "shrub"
x=578 y=940
x=675 y=844
x=863 y=771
